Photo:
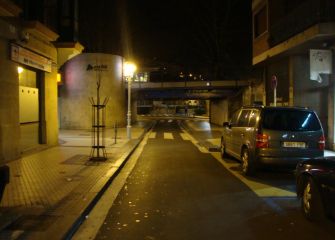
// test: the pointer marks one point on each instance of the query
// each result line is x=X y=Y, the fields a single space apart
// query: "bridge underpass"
x=185 y=98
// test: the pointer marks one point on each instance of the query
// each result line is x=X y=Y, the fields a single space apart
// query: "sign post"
x=274 y=82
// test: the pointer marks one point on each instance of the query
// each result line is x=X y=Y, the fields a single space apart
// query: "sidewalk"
x=51 y=190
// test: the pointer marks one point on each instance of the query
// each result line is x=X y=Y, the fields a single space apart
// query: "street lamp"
x=129 y=69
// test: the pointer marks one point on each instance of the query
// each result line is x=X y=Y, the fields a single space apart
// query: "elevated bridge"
x=187 y=90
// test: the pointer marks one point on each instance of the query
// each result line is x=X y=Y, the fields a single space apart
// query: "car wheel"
x=223 y=149
x=248 y=167
x=311 y=202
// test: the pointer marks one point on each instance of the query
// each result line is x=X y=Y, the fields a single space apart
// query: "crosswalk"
x=170 y=136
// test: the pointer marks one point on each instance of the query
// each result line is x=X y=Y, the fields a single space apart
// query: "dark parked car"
x=316 y=187
x=276 y=136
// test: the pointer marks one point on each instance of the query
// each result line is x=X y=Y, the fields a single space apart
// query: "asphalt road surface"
x=178 y=190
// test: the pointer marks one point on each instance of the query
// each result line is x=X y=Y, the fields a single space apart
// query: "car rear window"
x=290 y=120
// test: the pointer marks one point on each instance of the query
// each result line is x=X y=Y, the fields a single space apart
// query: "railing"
x=191 y=84
x=304 y=16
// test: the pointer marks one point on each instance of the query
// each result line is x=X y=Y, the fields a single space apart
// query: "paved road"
x=178 y=190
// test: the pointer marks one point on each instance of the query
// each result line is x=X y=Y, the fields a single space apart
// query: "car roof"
x=273 y=107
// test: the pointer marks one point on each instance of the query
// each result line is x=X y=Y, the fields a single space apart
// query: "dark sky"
x=211 y=36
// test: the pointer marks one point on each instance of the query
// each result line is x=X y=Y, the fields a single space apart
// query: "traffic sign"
x=274 y=82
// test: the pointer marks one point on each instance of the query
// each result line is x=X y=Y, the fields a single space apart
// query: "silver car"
x=277 y=136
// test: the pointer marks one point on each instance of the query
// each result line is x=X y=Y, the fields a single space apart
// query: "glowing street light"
x=128 y=71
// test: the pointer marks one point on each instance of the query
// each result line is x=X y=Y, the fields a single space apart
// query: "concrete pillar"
x=219 y=111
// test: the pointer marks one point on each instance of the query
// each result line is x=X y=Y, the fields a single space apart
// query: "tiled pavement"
x=51 y=188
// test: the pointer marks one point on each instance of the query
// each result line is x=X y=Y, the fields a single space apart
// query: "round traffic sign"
x=274 y=81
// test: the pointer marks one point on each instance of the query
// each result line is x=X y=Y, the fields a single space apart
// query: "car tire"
x=311 y=202
x=223 y=149
x=248 y=166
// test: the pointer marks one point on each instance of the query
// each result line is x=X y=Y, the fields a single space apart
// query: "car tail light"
x=262 y=141
x=322 y=142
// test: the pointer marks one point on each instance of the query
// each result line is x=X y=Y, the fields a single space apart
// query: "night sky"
x=212 y=37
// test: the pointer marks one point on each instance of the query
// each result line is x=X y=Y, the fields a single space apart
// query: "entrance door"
x=29 y=109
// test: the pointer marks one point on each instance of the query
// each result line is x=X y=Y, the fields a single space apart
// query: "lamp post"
x=129 y=69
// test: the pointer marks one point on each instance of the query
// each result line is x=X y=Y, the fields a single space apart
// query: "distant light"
x=190 y=75
x=19 y=70
x=59 y=77
x=207 y=83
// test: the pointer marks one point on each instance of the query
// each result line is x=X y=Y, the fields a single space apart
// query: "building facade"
x=29 y=66
x=293 y=46
x=28 y=82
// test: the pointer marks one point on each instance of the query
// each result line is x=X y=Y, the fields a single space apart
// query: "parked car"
x=277 y=136
x=316 y=187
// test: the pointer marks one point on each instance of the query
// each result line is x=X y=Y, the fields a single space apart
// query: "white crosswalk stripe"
x=168 y=135
x=152 y=135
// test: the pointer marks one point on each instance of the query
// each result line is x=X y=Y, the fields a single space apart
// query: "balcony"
x=309 y=13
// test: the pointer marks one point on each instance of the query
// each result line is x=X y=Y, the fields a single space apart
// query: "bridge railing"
x=190 y=84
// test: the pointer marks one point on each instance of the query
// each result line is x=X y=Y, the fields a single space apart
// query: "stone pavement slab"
x=50 y=189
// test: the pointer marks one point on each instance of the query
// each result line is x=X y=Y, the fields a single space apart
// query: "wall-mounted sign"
x=100 y=67
x=29 y=58
x=320 y=63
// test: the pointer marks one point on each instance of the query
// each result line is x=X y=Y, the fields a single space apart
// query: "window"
x=290 y=120
x=260 y=22
x=253 y=118
x=243 y=120
x=233 y=120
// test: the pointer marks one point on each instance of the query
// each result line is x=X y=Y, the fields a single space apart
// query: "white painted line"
x=185 y=137
x=152 y=135
x=261 y=189
x=215 y=141
x=168 y=135
x=96 y=218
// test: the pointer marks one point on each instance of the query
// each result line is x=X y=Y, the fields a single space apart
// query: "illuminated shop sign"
x=29 y=58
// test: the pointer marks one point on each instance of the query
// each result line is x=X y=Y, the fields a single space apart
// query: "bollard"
x=115 y=132
x=4 y=179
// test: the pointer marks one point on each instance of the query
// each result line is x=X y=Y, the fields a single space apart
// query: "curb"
x=77 y=223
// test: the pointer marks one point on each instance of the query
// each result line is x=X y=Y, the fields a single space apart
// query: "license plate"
x=294 y=144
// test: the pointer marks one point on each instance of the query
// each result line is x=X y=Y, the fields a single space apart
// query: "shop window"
x=260 y=22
